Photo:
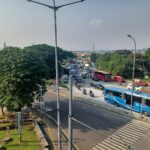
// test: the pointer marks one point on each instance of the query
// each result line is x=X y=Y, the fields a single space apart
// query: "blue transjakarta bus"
x=122 y=98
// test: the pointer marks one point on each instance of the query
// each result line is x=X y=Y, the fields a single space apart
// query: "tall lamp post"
x=55 y=8
x=133 y=68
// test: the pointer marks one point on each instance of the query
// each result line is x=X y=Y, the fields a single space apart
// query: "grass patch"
x=29 y=139
x=63 y=85
x=7 y=124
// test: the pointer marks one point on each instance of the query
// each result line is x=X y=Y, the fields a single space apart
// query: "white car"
x=136 y=88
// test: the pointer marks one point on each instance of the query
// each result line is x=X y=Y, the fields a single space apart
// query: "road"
x=114 y=131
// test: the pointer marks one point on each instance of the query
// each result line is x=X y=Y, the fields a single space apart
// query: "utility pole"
x=133 y=72
x=41 y=98
x=70 y=115
x=4 y=45
x=19 y=126
x=55 y=9
x=93 y=47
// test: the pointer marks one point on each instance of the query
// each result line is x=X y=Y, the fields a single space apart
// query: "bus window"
x=117 y=94
x=114 y=93
x=108 y=76
x=137 y=99
x=147 y=102
x=109 y=92
x=128 y=99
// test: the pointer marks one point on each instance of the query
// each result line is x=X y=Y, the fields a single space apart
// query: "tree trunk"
x=2 y=110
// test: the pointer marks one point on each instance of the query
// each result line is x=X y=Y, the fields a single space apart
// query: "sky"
x=102 y=22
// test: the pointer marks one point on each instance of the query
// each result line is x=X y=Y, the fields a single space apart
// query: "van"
x=119 y=79
x=65 y=79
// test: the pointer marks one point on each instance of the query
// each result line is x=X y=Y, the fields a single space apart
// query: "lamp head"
x=129 y=35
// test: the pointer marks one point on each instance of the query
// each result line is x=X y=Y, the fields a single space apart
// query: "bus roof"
x=135 y=93
x=115 y=89
x=104 y=72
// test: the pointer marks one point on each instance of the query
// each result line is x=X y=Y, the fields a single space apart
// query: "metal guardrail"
x=41 y=136
x=63 y=133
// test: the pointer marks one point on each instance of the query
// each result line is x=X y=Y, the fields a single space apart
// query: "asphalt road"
x=113 y=131
x=105 y=122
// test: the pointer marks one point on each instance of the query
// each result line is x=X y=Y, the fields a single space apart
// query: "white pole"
x=57 y=78
x=133 y=70
x=70 y=115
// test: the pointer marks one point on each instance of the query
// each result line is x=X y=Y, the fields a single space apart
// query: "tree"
x=120 y=62
x=47 y=53
x=94 y=57
x=147 y=60
x=21 y=72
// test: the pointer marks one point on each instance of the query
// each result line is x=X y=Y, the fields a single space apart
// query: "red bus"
x=102 y=75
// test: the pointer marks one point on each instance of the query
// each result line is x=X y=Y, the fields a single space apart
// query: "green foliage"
x=121 y=63
x=47 y=53
x=29 y=139
x=147 y=60
x=94 y=57
x=23 y=70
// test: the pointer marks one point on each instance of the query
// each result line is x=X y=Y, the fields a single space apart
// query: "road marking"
x=124 y=136
x=116 y=143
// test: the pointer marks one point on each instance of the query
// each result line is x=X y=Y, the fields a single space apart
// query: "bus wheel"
x=145 y=113
x=116 y=104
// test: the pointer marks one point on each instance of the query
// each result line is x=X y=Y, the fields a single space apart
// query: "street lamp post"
x=55 y=8
x=133 y=68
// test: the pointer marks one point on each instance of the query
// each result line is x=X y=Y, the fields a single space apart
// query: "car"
x=65 y=79
x=136 y=88
x=95 y=79
x=119 y=79
x=141 y=83
x=97 y=85
x=78 y=79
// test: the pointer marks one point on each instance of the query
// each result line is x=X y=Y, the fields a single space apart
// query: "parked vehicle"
x=102 y=75
x=78 y=79
x=97 y=85
x=122 y=97
x=141 y=83
x=95 y=79
x=84 y=75
x=136 y=88
x=119 y=79
x=65 y=79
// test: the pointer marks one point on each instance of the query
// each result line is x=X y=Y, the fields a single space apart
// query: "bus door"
x=128 y=101
x=137 y=103
x=145 y=108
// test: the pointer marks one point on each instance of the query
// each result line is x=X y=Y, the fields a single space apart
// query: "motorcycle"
x=84 y=91
x=91 y=93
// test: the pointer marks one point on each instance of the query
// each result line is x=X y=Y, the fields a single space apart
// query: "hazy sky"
x=106 y=22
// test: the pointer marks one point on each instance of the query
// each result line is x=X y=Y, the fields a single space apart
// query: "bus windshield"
x=147 y=102
x=108 y=76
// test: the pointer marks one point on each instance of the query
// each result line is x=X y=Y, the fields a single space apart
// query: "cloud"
x=96 y=23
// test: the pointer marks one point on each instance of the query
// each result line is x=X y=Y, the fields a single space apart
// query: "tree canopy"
x=121 y=63
x=23 y=70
